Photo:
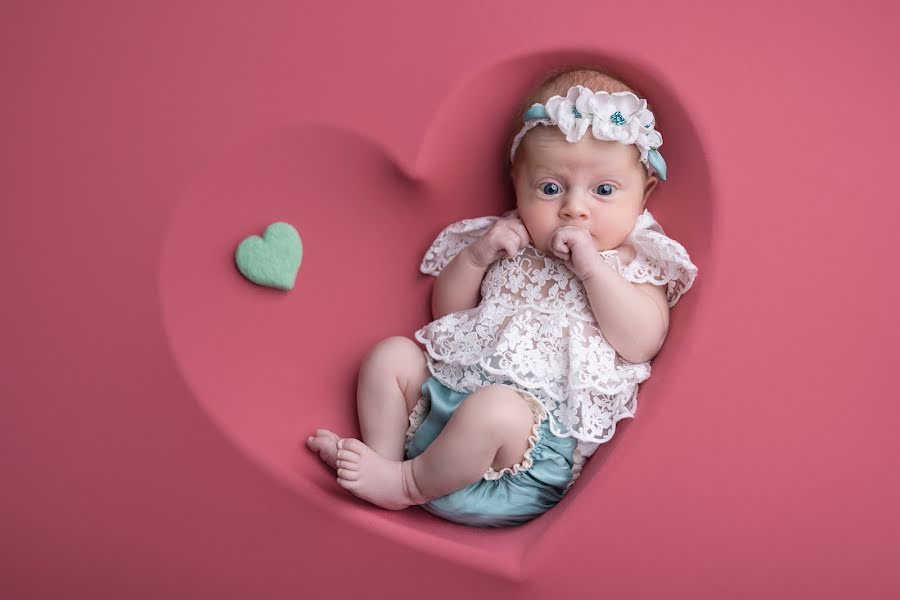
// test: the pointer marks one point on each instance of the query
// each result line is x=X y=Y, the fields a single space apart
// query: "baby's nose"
x=574 y=209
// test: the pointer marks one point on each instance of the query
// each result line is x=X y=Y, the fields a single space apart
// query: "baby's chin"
x=601 y=246
x=610 y=242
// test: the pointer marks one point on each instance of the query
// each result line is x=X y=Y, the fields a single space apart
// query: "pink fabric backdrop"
x=154 y=403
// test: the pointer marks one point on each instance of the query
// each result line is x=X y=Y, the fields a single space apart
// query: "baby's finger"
x=557 y=245
x=511 y=245
x=520 y=229
x=560 y=242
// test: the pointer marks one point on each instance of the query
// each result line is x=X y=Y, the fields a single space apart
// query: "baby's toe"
x=347 y=455
x=349 y=484
x=348 y=465
x=352 y=444
x=348 y=475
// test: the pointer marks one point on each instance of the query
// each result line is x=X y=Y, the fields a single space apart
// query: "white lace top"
x=534 y=329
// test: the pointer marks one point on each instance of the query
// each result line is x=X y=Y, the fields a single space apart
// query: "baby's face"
x=593 y=184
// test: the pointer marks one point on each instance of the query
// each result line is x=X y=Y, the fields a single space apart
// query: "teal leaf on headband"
x=537 y=111
x=657 y=162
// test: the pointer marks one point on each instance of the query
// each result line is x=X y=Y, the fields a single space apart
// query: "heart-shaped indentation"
x=269 y=369
x=273 y=259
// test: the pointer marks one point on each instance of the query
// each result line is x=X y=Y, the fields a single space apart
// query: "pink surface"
x=154 y=402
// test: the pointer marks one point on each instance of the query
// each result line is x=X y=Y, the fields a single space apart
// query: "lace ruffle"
x=659 y=259
x=539 y=415
x=578 y=463
x=453 y=239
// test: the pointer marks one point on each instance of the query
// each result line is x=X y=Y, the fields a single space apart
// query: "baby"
x=546 y=319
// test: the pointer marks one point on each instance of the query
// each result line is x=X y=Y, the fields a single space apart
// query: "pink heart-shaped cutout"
x=269 y=368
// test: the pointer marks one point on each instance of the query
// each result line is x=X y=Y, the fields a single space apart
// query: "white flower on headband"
x=568 y=113
x=618 y=117
x=648 y=137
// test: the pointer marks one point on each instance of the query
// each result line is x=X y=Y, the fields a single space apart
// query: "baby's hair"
x=556 y=83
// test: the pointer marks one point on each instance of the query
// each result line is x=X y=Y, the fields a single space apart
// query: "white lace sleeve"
x=453 y=239
x=659 y=259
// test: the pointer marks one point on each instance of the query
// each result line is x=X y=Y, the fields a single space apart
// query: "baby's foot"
x=381 y=481
x=325 y=443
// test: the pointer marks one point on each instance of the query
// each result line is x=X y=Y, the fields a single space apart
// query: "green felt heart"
x=273 y=259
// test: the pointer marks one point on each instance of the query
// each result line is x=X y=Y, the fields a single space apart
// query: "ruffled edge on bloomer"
x=539 y=413
x=577 y=465
x=416 y=417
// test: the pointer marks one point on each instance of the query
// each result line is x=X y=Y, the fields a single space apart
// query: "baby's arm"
x=458 y=287
x=634 y=317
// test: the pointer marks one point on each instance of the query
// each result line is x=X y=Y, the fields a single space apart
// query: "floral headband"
x=619 y=117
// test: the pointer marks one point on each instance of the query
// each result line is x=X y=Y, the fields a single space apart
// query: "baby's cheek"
x=536 y=236
x=542 y=241
x=540 y=228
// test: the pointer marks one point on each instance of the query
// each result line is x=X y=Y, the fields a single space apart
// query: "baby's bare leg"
x=487 y=424
x=390 y=383
x=489 y=429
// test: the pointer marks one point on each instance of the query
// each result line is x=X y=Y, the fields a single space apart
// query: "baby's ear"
x=649 y=186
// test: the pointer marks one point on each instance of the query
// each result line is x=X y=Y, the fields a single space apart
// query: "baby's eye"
x=549 y=188
x=605 y=189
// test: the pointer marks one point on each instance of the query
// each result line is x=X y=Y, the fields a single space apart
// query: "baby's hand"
x=505 y=239
x=575 y=247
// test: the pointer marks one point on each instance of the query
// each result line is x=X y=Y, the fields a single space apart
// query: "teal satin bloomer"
x=512 y=496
